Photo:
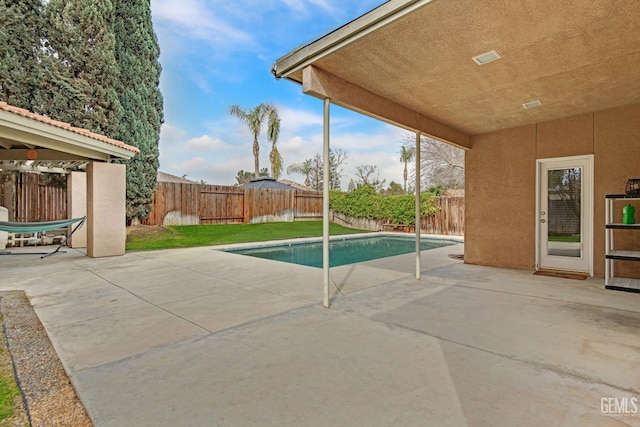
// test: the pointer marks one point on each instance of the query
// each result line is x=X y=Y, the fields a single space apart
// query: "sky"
x=218 y=53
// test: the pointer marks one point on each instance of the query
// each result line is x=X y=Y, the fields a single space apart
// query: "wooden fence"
x=184 y=204
x=187 y=204
x=448 y=220
x=32 y=198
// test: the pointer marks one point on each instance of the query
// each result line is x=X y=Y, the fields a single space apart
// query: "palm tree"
x=305 y=168
x=407 y=153
x=254 y=119
x=277 y=163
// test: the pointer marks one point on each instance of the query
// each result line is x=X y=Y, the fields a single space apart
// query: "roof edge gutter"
x=360 y=27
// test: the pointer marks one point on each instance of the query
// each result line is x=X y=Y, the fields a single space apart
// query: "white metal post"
x=325 y=204
x=418 y=205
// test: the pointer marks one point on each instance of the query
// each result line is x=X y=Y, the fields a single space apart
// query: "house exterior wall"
x=501 y=183
x=500 y=199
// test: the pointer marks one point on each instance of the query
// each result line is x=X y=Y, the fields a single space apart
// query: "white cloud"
x=171 y=134
x=209 y=144
x=298 y=6
x=196 y=19
x=293 y=120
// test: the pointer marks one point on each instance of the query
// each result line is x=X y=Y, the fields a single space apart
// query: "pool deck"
x=200 y=337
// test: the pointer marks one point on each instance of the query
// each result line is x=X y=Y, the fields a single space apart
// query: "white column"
x=106 y=209
x=77 y=207
x=325 y=204
x=418 y=205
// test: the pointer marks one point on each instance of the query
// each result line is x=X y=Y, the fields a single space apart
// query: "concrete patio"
x=199 y=337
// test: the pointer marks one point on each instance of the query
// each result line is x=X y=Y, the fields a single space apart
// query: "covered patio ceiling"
x=31 y=142
x=411 y=63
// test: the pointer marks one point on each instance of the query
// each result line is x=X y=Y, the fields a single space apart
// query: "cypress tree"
x=19 y=43
x=78 y=69
x=137 y=53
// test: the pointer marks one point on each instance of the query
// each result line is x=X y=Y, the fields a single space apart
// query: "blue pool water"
x=343 y=251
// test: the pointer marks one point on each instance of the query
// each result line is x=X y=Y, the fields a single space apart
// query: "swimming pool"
x=342 y=251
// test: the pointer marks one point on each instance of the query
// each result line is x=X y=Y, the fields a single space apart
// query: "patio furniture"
x=37 y=227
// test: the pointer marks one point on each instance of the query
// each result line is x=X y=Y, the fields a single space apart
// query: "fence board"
x=36 y=201
x=308 y=205
x=220 y=204
x=449 y=219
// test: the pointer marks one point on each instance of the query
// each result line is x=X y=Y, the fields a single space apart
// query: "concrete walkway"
x=199 y=337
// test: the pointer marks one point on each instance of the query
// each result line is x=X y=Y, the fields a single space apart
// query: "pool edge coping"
x=301 y=240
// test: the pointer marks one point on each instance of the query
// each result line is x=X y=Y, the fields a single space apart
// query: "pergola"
x=96 y=187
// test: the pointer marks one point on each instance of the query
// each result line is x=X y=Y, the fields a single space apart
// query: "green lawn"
x=570 y=238
x=185 y=236
x=8 y=387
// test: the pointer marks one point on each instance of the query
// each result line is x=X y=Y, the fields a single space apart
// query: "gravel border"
x=47 y=393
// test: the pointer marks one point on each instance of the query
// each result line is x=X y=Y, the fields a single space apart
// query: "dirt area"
x=47 y=392
x=146 y=231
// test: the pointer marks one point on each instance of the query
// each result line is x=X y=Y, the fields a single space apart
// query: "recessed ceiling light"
x=532 y=104
x=486 y=57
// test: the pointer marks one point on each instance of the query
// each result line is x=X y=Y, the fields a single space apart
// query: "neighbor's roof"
x=166 y=177
x=410 y=63
x=297 y=185
x=266 y=182
x=33 y=142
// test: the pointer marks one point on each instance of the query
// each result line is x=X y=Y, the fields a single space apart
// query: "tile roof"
x=66 y=126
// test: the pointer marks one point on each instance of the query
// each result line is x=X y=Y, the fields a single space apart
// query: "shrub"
x=365 y=202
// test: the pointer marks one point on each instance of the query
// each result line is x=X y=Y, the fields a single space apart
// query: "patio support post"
x=106 y=209
x=418 y=205
x=325 y=204
x=77 y=207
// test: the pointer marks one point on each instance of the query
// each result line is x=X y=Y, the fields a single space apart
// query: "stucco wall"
x=500 y=182
x=617 y=158
x=500 y=199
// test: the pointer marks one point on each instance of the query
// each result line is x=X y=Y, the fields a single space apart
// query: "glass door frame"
x=584 y=263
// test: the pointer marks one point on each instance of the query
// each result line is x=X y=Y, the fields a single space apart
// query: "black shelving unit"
x=612 y=254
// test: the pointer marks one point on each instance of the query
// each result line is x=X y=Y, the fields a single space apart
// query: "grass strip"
x=186 y=236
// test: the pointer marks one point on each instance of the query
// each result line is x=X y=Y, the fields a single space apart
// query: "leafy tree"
x=337 y=160
x=78 y=78
x=304 y=168
x=245 y=176
x=317 y=172
x=365 y=175
x=255 y=120
x=407 y=153
x=136 y=55
x=394 y=189
x=19 y=41
x=441 y=165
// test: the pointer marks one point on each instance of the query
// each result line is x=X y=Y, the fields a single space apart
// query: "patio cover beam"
x=20 y=154
x=322 y=84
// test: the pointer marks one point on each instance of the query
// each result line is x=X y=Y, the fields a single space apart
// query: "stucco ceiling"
x=574 y=56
